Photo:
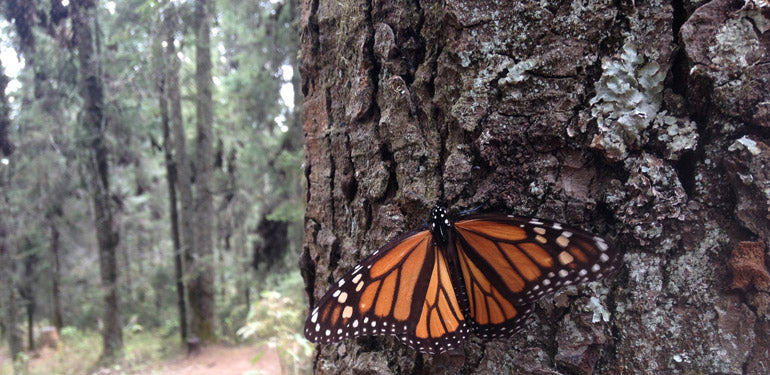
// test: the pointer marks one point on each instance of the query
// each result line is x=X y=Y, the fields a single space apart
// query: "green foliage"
x=276 y=319
x=260 y=172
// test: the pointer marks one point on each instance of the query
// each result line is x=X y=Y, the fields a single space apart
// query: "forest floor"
x=222 y=360
x=213 y=360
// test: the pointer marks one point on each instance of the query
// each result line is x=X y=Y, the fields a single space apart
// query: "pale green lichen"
x=754 y=9
x=734 y=41
x=472 y=105
x=678 y=135
x=745 y=143
x=516 y=72
x=599 y=312
x=628 y=96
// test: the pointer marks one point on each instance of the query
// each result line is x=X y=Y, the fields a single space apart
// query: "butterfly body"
x=480 y=273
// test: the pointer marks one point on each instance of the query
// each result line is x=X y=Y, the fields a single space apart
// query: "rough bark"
x=201 y=287
x=600 y=114
x=92 y=119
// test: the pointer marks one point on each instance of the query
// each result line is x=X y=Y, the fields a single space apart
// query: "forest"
x=151 y=182
x=279 y=186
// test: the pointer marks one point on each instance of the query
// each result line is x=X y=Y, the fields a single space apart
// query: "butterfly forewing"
x=404 y=289
x=528 y=258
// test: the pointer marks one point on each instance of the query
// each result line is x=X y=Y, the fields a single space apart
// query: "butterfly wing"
x=403 y=289
x=508 y=262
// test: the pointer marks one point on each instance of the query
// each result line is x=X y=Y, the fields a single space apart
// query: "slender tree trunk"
x=162 y=75
x=201 y=288
x=7 y=257
x=92 y=118
x=6 y=146
x=8 y=292
x=275 y=234
x=181 y=162
x=584 y=112
x=56 y=275
x=8 y=274
x=28 y=294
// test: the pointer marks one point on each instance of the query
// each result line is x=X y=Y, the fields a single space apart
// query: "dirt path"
x=219 y=360
x=213 y=360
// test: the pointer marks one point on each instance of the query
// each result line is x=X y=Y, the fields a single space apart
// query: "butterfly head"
x=440 y=224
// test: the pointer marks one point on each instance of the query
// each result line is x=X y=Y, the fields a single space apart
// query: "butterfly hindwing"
x=404 y=289
x=492 y=312
x=518 y=260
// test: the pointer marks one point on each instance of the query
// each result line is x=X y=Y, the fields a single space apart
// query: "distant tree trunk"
x=27 y=291
x=7 y=258
x=8 y=274
x=202 y=279
x=274 y=242
x=178 y=141
x=274 y=235
x=584 y=112
x=6 y=146
x=56 y=275
x=92 y=118
x=162 y=75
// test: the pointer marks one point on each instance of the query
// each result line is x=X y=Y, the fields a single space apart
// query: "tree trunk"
x=92 y=118
x=6 y=146
x=163 y=76
x=9 y=292
x=27 y=291
x=179 y=143
x=202 y=279
x=7 y=256
x=8 y=274
x=586 y=113
x=57 y=319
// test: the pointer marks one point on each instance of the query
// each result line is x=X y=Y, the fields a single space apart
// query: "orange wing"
x=404 y=289
x=508 y=262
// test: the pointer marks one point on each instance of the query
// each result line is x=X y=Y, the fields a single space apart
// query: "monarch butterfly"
x=434 y=286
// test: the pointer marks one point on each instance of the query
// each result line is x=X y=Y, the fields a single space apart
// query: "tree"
x=201 y=286
x=603 y=115
x=57 y=315
x=92 y=119
x=164 y=73
x=8 y=273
